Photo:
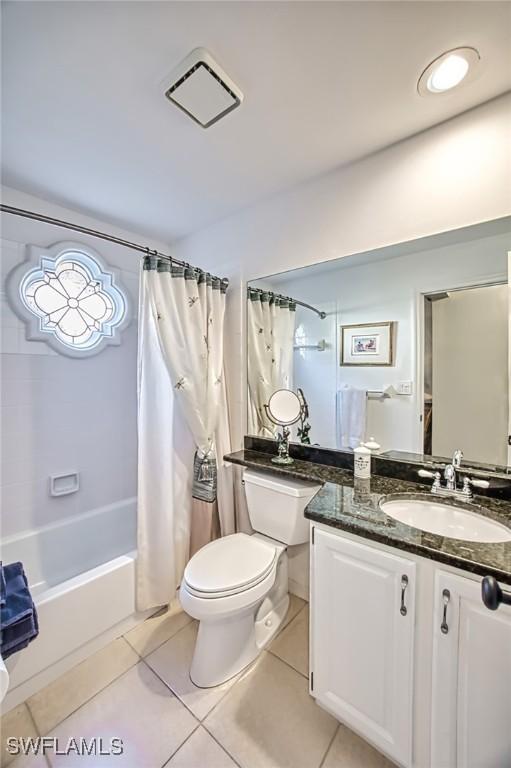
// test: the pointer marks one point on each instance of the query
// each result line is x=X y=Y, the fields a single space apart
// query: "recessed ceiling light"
x=448 y=71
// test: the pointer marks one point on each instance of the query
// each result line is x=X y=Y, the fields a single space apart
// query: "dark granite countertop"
x=305 y=470
x=353 y=505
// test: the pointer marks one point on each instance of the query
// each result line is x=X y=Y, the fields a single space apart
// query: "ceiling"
x=86 y=124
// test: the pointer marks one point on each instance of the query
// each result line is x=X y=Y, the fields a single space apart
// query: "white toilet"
x=237 y=586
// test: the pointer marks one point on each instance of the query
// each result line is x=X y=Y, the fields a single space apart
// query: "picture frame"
x=367 y=344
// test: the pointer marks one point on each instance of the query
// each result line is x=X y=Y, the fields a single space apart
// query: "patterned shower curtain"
x=183 y=424
x=270 y=335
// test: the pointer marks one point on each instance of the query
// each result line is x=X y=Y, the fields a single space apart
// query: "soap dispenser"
x=362 y=462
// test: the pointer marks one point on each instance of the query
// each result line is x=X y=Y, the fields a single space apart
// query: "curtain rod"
x=321 y=314
x=96 y=233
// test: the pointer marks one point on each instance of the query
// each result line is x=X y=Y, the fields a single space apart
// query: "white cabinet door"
x=471 y=695
x=362 y=630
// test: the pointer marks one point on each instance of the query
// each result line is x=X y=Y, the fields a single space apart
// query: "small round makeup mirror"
x=284 y=407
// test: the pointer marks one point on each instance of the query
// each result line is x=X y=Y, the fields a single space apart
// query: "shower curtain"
x=270 y=334
x=185 y=500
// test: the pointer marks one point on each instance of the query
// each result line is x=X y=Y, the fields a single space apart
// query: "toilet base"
x=228 y=644
x=267 y=626
x=224 y=648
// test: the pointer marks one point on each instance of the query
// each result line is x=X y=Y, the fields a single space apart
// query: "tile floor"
x=138 y=689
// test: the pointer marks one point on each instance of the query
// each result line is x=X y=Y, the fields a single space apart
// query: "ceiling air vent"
x=201 y=88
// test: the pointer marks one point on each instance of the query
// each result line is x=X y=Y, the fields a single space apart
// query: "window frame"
x=40 y=260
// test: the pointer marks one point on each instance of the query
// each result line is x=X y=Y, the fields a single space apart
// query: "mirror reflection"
x=406 y=346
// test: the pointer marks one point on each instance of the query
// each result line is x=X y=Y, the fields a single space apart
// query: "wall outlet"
x=404 y=387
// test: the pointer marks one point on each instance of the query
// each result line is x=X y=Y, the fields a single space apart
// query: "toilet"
x=237 y=586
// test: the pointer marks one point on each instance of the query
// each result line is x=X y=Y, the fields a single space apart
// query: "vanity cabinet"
x=471 y=673
x=404 y=652
x=362 y=639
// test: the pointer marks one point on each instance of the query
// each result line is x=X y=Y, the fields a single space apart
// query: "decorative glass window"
x=71 y=300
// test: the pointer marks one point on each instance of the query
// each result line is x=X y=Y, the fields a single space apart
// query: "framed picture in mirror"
x=367 y=344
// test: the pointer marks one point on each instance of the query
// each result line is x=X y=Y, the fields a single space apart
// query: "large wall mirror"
x=408 y=344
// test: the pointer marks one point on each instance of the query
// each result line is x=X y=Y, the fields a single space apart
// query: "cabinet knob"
x=492 y=594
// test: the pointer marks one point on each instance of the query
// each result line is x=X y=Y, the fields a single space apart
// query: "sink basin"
x=454 y=522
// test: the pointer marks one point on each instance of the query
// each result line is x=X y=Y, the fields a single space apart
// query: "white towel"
x=351 y=416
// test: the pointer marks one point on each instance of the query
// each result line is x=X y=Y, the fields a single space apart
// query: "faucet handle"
x=432 y=475
x=469 y=483
x=479 y=483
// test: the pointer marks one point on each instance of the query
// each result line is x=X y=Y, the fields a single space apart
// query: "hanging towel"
x=351 y=416
x=18 y=615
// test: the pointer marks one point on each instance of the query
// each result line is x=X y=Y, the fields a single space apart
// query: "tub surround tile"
x=350 y=751
x=201 y=751
x=17 y=723
x=157 y=629
x=137 y=708
x=268 y=719
x=172 y=661
x=292 y=644
x=66 y=694
x=353 y=505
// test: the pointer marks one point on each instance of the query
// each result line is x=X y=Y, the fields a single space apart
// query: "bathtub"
x=81 y=573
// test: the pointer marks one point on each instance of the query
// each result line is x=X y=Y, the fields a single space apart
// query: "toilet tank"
x=276 y=505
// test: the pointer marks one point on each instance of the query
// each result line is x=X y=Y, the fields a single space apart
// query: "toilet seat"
x=230 y=565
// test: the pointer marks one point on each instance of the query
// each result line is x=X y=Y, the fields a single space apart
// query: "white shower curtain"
x=182 y=407
x=270 y=334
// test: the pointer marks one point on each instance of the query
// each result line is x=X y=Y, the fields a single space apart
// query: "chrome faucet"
x=450 y=476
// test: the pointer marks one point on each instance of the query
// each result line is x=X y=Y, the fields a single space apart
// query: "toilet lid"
x=231 y=563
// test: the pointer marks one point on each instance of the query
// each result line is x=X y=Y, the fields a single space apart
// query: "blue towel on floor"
x=18 y=615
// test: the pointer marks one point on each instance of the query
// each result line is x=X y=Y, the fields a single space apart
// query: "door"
x=471 y=695
x=362 y=631
x=469 y=383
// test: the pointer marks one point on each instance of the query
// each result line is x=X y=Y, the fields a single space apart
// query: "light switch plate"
x=404 y=388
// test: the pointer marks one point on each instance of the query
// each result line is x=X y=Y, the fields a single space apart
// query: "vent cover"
x=200 y=87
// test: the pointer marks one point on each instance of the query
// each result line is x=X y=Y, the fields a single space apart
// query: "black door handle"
x=492 y=594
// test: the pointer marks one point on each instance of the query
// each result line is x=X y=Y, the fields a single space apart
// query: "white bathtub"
x=82 y=576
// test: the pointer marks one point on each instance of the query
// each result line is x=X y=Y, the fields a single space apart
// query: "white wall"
x=376 y=292
x=451 y=176
x=59 y=413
